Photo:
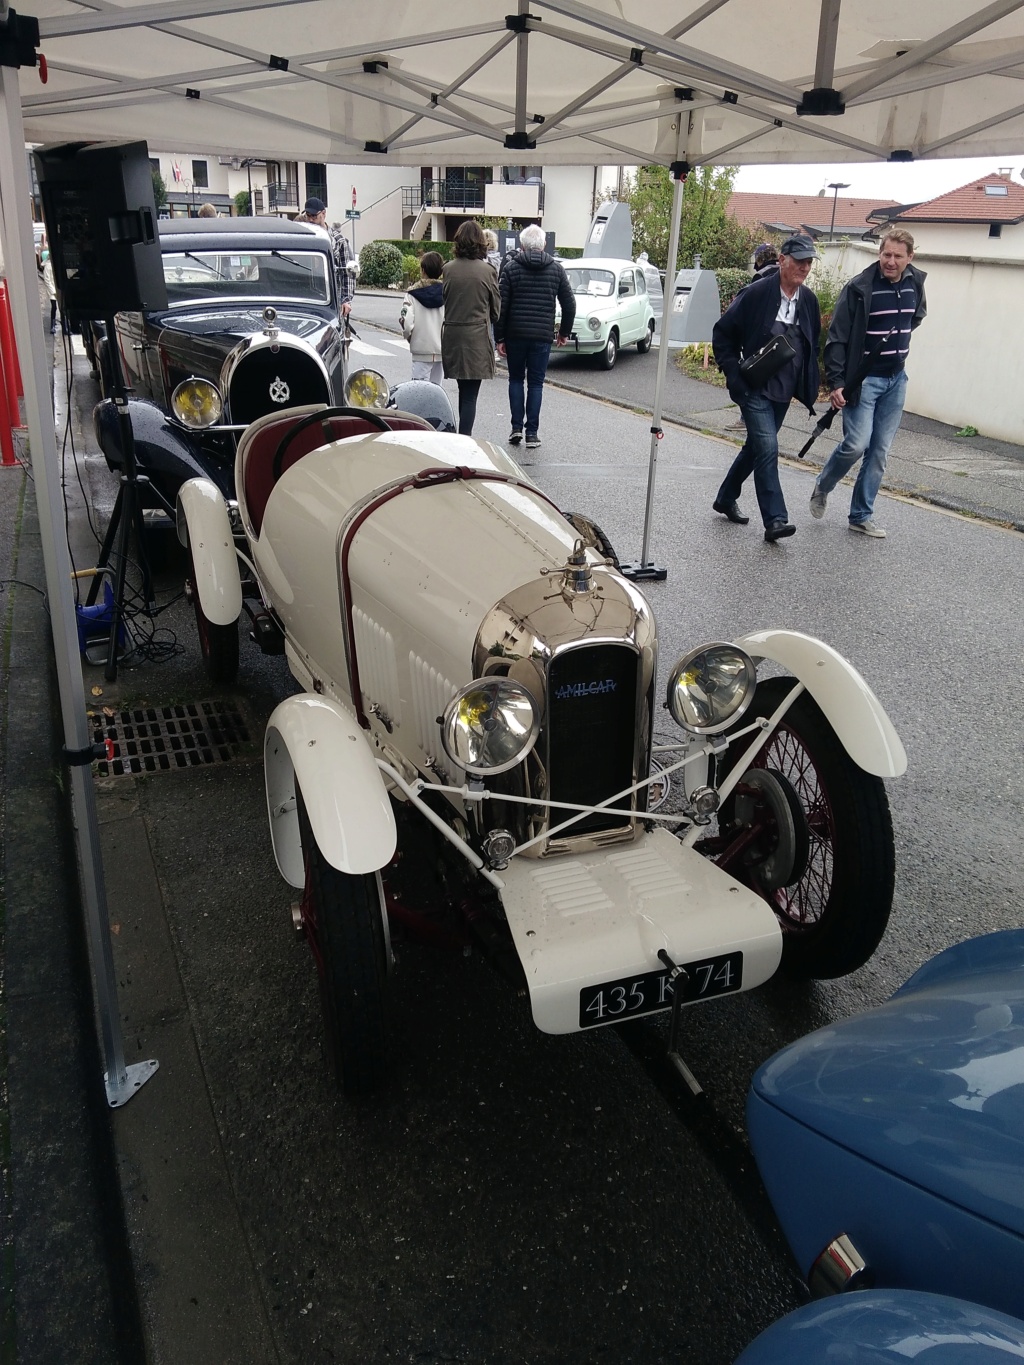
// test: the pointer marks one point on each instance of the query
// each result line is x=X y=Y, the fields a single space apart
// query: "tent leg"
x=120 y=1082
x=645 y=570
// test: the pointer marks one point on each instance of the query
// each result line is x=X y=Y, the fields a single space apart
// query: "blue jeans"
x=527 y=360
x=868 y=430
x=759 y=455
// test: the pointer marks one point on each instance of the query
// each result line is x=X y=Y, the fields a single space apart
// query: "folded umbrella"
x=860 y=374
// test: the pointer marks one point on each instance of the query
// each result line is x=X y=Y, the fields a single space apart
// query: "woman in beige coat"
x=471 y=306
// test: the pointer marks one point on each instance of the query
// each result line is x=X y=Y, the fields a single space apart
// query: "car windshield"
x=193 y=276
x=597 y=283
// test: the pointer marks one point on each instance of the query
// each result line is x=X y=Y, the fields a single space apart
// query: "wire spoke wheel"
x=811 y=832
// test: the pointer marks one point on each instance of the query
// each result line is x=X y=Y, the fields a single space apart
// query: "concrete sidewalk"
x=182 y=1278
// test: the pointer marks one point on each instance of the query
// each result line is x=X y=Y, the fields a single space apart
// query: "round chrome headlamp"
x=490 y=725
x=594 y=324
x=711 y=687
x=197 y=403
x=366 y=389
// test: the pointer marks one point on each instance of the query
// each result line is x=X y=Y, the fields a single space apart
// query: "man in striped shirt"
x=873 y=319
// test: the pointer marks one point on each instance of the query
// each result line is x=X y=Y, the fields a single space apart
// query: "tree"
x=242 y=203
x=706 y=228
x=159 y=190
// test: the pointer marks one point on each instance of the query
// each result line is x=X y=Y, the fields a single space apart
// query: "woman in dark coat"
x=471 y=307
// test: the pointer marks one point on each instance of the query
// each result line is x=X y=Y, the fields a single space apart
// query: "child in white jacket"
x=421 y=318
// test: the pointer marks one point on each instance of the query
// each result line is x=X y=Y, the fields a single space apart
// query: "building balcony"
x=282 y=196
x=495 y=200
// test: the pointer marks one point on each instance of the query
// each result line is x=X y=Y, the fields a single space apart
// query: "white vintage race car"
x=471 y=753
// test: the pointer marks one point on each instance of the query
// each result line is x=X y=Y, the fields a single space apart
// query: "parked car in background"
x=251 y=326
x=892 y=1144
x=613 y=308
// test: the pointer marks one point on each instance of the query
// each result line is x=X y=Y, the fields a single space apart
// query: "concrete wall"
x=969 y=239
x=378 y=199
x=965 y=358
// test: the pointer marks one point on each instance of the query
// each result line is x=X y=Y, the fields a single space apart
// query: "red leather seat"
x=255 y=461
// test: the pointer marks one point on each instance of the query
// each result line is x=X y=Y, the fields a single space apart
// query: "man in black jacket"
x=529 y=283
x=778 y=304
x=875 y=314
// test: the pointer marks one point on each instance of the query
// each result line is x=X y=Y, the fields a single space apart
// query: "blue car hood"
x=930 y=1085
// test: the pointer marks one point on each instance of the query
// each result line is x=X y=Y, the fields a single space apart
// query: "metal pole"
x=646 y=569
x=121 y=1082
x=832 y=225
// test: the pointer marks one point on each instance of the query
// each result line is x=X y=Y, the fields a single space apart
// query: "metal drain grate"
x=156 y=739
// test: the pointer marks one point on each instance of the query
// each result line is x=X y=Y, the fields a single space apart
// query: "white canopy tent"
x=555 y=82
x=728 y=82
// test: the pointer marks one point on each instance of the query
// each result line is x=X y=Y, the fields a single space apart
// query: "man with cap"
x=779 y=303
x=315 y=211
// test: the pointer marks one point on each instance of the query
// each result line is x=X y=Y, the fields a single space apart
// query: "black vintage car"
x=251 y=327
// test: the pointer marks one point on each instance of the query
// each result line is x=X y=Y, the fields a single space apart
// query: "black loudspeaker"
x=101 y=227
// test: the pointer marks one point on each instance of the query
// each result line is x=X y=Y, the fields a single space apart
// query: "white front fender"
x=851 y=708
x=204 y=526
x=315 y=744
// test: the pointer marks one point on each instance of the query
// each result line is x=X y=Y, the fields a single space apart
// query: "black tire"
x=606 y=358
x=592 y=535
x=835 y=909
x=647 y=340
x=217 y=644
x=343 y=919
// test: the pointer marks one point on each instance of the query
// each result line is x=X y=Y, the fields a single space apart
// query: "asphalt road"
x=515 y=1197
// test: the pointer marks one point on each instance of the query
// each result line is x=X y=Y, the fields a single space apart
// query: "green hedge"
x=445 y=250
x=730 y=282
x=380 y=265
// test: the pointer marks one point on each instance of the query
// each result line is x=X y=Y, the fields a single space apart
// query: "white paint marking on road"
x=364 y=348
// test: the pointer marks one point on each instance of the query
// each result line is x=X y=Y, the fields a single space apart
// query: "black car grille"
x=266 y=381
x=591 y=730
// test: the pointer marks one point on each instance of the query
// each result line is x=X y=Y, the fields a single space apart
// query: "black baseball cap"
x=314 y=206
x=799 y=246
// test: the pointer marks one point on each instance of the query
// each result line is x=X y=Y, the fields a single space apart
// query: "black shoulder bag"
x=764 y=364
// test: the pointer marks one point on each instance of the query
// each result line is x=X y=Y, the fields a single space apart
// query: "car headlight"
x=197 y=403
x=366 y=389
x=490 y=725
x=711 y=687
x=594 y=324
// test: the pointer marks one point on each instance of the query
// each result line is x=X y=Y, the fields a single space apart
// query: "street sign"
x=352 y=213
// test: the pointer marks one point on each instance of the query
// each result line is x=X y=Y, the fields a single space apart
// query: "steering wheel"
x=374 y=419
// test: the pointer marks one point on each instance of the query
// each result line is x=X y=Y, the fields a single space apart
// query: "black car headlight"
x=197 y=403
x=711 y=687
x=366 y=389
x=490 y=725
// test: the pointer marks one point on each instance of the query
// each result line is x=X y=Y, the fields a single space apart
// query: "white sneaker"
x=867 y=528
x=819 y=501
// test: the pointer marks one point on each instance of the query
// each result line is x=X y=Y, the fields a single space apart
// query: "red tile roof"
x=970 y=204
x=797 y=211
